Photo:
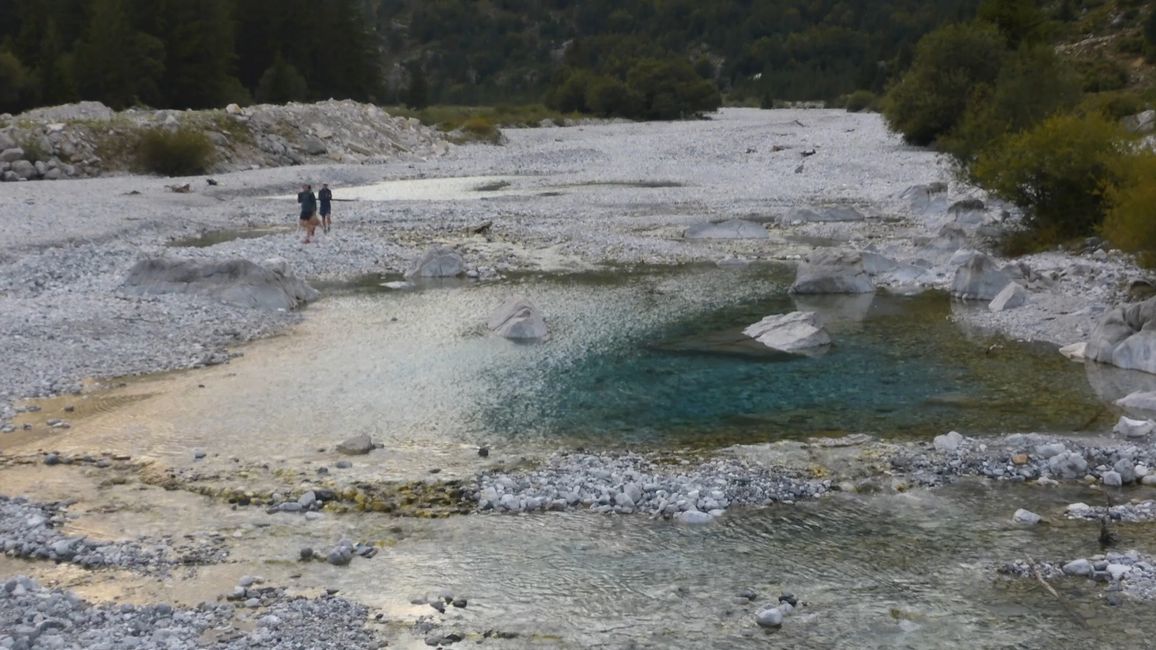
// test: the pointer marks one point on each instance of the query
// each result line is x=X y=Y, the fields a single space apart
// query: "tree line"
x=642 y=58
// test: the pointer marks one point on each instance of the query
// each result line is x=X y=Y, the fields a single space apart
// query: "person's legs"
x=307 y=226
x=325 y=222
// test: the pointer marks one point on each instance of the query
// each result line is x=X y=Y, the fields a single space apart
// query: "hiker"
x=308 y=212
x=325 y=196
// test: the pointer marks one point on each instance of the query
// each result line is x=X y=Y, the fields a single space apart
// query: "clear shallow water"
x=625 y=365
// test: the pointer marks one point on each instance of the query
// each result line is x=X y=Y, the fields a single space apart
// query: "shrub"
x=950 y=64
x=1112 y=105
x=607 y=96
x=184 y=152
x=860 y=100
x=1034 y=84
x=1057 y=173
x=669 y=89
x=1102 y=74
x=1131 y=220
x=479 y=128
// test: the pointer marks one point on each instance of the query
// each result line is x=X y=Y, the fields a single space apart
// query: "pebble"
x=484 y=452
x=343 y=464
x=198 y=454
x=1026 y=517
x=771 y=617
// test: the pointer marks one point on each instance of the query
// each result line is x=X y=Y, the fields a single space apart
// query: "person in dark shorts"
x=325 y=196
x=308 y=212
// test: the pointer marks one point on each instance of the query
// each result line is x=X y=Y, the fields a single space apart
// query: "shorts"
x=306 y=216
x=325 y=211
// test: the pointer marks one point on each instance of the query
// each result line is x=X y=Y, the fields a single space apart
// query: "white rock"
x=769 y=617
x=1075 y=351
x=731 y=229
x=1010 y=297
x=517 y=319
x=1139 y=400
x=1027 y=517
x=1130 y=428
x=1118 y=571
x=798 y=330
x=948 y=442
x=1112 y=478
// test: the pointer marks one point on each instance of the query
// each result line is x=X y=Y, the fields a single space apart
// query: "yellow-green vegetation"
x=183 y=152
x=861 y=100
x=1131 y=219
x=452 y=118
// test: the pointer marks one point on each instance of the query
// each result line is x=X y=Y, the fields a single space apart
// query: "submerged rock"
x=1026 y=517
x=800 y=330
x=730 y=229
x=517 y=319
x=235 y=282
x=356 y=446
x=833 y=272
x=438 y=262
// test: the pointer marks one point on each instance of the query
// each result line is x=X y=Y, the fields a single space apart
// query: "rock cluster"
x=1130 y=573
x=631 y=483
x=87 y=139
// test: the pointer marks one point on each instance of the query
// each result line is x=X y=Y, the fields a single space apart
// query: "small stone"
x=787 y=597
x=484 y=452
x=305 y=554
x=52 y=459
x=198 y=454
x=769 y=617
x=340 y=556
x=1019 y=459
x=460 y=603
x=694 y=517
x=343 y=464
x=1111 y=479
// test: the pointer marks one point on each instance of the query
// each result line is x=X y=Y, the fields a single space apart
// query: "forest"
x=628 y=56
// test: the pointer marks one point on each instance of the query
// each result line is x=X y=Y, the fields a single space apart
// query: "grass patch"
x=184 y=152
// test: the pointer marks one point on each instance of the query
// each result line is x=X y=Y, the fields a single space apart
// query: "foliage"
x=1056 y=172
x=1112 y=105
x=1101 y=74
x=861 y=100
x=1020 y=21
x=951 y=65
x=281 y=83
x=1032 y=85
x=14 y=80
x=480 y=129
x=1131 y=219
x=184 y=152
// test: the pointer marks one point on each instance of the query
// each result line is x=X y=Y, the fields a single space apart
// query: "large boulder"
x=24 y=169
x=518 y=320
x=979 y=278
x=925 y=199
x=1126 y=337
x=731 y=229
x=799 y=330
x=1010 y=297
x=825 y=214
x=11 y=154
x=235 y=282
x=833 y=272
x=438 y=262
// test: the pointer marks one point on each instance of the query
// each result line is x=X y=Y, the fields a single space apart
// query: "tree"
x=199 y=55
x=115 y=63
x=1020 y=21
x=669 y=89
x=281 y=83
x=950 y=65
x=417 y=93
x=14 y=82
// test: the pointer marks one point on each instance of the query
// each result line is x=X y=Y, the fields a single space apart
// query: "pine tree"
x=281 y=83
x=199 y=57
x=115 y=63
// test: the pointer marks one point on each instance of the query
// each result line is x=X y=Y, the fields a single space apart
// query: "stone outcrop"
x=438 y=262
x=234 y=282
x=731 y=229
x=979 y=278
x=800 y=330
x=518 y=320
x=1126 y=337
x=833 y=272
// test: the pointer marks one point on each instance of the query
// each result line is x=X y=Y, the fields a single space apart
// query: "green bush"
x=860 y=100
x=184 y=152
x=479 y=128
x=1112 y=105
x=1101 y=74
x=1131 y=220
x=607 y=96
x=1057 y=173
x=950 y=65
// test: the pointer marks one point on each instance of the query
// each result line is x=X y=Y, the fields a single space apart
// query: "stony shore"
x=594 y=196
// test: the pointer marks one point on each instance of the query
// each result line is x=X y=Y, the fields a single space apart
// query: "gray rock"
x=925 y=199
x=305 y=554
x=731 y=229
x=1079 y=567
x=1143 y=122
x=11 y=154
x=979 y=278
x=1010 y=297
x=769 y=617
x=1068 y=465
x=948 y=442
x=694 y=517
x=1138 y=401
x=6 y=142
x=832 y=272
x=313 y=146
x=307 y=500
x=1051 y=449
x=1026 y=517
x=356 y=446
x=1126 y=469
x=790 y=332
x=518 y=320
x=235 y=282
x=1111 y=479
x=24 y=169
x=1123 y=338
x=340 y=556
x=10 y=177
x=438 y=262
